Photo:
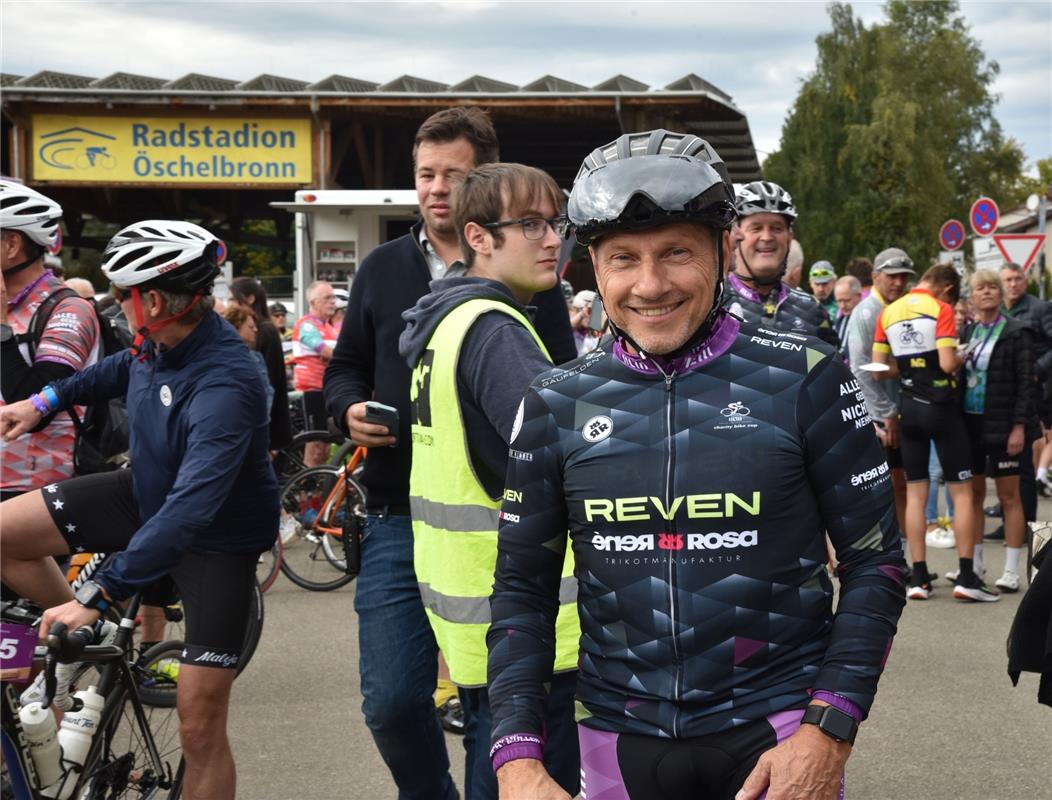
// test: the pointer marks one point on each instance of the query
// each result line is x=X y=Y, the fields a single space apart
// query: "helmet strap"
x=774 y=280
x=22 y=265
x=144 y=331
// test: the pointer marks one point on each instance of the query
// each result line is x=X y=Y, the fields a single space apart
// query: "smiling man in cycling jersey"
x=697 y=462
x=200 y=501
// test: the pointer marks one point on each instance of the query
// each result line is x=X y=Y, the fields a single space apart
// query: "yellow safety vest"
x=454 y=520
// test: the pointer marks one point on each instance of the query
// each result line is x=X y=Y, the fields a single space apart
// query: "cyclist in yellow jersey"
x=918 y=335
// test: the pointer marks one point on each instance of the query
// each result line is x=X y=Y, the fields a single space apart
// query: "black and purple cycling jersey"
x=698 y=493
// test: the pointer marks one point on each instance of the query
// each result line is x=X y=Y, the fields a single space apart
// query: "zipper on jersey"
x=669 y=446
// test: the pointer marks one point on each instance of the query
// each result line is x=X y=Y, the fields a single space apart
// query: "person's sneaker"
x=1044 y=488
x=951 y=576
x=922 y=592
x=996 y=535
x=1009 y=582
x=451 y=715
x=975 y=590
x=67 y=674
x=940 y=539
x=993 y=511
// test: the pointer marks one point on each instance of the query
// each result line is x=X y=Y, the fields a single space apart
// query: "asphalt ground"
x=947 y=723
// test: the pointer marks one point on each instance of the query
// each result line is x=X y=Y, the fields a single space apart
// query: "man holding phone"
x=397 y=664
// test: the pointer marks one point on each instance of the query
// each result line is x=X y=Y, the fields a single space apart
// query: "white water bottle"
x=41 y=730
x=78 y=728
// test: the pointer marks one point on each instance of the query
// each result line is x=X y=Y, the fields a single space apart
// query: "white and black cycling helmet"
x=30 y=213
x=764 y=197
x=643 y=180
x=163 y=254
x=342 y=297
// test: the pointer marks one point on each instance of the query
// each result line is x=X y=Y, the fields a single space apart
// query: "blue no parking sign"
x=983 y=216
x=951 y=234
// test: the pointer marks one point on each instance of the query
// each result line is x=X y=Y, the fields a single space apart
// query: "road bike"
x=135 y=751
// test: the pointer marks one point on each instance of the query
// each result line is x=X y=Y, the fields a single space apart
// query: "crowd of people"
x=567 y=527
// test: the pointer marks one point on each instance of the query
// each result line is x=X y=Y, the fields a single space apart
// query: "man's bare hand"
x=73 y=614
x=891 y=432
x=18 y=418
x=365 y=433
x=526 y=779
x=1016 y=440
x=807 y=766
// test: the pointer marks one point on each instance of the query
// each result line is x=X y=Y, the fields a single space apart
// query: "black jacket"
x=1036 y=315
x=366 y=364
x=268 y=343
x=784 y=308
x=1009 y=383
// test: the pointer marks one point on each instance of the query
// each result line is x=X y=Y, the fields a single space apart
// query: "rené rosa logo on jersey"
x=629 y=543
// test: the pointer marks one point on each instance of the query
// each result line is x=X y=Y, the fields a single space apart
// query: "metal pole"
x=1042 y=212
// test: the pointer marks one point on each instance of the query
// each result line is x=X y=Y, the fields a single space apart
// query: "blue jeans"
x=398 y=663
x=562 y=755
x=931 y=512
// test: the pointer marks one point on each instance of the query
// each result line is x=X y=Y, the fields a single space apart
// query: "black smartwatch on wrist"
x=90 y=595
x=833 y=722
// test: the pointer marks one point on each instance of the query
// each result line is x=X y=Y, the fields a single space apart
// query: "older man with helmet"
x=756 y=291
x=200 y=501
x=711 y=661
x=47 y=332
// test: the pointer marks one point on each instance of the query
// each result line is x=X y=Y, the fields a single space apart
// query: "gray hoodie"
x=498 y=360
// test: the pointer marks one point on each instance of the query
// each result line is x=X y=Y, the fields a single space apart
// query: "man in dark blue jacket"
x=200 y=501
x=398 y=663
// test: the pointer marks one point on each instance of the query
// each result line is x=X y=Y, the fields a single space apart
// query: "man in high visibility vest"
x=474 y=352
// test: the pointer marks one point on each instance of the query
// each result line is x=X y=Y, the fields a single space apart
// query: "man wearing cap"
x=822 y=279
x=279 y=314
x=892 y=271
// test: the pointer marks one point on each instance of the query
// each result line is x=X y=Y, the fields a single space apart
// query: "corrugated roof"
x=125 y=80
x=201 y=83
x=692 y=83
x=413 y=85
x=620 y=83
x=272 y=83
x=341 y=83
x=480 y=83
x=56 y=80
x=7 y=79
x=550 y=83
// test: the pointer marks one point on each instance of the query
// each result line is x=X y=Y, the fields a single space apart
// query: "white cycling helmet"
x=764 y=197
x=29 y=212
x=343 y=297
x=167 y=254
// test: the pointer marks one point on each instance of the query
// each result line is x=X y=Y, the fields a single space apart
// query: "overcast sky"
x=756 y=52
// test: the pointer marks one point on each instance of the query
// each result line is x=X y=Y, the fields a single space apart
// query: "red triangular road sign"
x=1019 y=248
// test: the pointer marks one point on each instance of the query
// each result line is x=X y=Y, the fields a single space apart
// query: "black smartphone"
x=383 y=415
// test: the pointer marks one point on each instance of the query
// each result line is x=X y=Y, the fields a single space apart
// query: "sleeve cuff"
x=515 y=746
x=841 y=703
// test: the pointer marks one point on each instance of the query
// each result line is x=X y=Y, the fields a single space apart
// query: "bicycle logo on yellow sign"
x=77 y=149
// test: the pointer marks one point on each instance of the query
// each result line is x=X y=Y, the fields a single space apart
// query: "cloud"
x=756 y=52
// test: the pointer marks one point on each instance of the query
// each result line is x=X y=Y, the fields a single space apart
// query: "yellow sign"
x=171 y=150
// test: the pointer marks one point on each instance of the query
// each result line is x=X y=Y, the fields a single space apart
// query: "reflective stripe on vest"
x=454 y=520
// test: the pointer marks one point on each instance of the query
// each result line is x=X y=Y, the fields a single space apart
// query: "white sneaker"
x=919 y=592
x=941 y=538
x=1009 y=582
x=288 y=528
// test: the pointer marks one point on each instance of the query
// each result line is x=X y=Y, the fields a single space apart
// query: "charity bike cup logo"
x=166 y=396
x=597 y=428
x=735 y=412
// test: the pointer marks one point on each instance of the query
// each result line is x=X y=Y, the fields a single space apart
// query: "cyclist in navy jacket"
x=200 y=500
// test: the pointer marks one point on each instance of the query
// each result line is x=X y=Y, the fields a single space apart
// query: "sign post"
x=984 y=216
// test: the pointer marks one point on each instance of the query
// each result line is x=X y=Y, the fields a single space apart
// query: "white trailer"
x=336 y=228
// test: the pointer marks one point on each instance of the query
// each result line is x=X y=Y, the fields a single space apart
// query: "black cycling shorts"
x=992 y=463
x=923 y=423
x=216 y=588
x=714 y=767
x=315 y=415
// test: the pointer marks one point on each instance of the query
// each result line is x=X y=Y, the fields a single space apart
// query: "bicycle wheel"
x=119 y=765
x=290 y=461
x=311 y=506
x=269 y=566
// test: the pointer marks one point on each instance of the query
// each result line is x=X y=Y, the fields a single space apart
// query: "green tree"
x=893 y=133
